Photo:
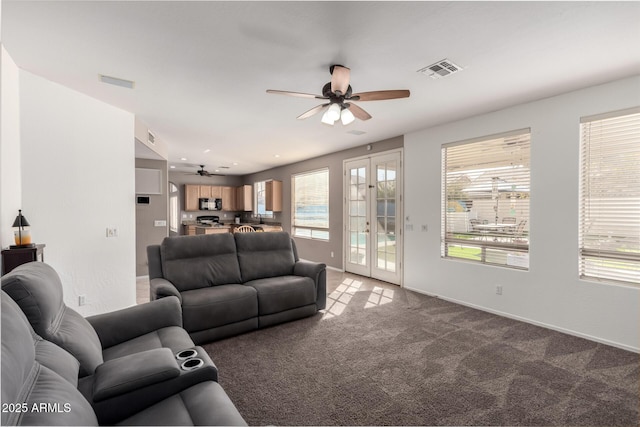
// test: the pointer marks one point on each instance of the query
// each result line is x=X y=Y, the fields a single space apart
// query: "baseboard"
x=530 y=321
x=142 y=277
x=335 y=269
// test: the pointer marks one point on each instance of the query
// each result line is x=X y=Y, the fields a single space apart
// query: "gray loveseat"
x=154 y=374
x=233 y=283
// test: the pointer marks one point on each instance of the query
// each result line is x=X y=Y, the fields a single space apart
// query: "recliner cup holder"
x=186 y=354
x=192 y=363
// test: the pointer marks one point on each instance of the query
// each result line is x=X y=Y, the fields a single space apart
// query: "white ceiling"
x=201 y=69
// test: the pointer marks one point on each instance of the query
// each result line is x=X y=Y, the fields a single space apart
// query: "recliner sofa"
x=233 y=283
x=37 y=289
x=135 y=366
x=40 y=385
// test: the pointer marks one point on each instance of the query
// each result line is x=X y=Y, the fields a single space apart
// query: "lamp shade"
x=20 y=221
x=326 y=119
x=334 y=112
x=346 y=116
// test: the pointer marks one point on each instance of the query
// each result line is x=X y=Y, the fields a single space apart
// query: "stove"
x=208 y=220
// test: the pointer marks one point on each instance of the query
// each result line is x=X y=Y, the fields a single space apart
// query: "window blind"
x=609 y=224
x=311 y=204
x=485 y=199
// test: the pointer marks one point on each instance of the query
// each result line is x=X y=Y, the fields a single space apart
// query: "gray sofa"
x=233 y=283
x=42 y=384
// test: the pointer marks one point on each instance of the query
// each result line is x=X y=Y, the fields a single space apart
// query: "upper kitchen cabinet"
x=229 y=199
x=273 y=196
x=244 y=198
x=191 y=196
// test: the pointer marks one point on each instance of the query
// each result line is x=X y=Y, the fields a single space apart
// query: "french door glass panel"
x=372 y=204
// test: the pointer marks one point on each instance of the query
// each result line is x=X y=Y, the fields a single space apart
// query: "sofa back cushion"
x=263 y=255
x=26 y=382
x=37 y=289
x=193 y=262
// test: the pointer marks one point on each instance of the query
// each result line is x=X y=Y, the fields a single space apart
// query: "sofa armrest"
x=318 y=272
x=160 y=288
x=122 y=325
x=126 y=374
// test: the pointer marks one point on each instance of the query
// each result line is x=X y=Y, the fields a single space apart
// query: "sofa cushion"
x=205 y=403
x=37 y=289
x=192 y=262
x=172 y=337
x=218 y=306
x=283 y=293
x=263 y=255
x=27 y=382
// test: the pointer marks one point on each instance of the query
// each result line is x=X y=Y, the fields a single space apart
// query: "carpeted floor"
x=385 y=356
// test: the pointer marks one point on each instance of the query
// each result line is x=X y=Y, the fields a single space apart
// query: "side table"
x=11 y=258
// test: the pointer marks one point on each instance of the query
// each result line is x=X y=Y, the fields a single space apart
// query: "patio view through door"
x=373 y=217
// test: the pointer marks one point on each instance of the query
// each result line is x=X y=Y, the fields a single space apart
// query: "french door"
x=373 y=216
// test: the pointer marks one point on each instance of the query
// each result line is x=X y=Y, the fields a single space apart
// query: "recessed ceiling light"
x=116 y=81
x=206 y=151
x=183 y=158
x=235 y=163
x=276 y=155
x=172 y=167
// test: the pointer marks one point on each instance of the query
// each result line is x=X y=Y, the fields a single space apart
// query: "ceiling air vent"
x=440 y=69
x=151 y=138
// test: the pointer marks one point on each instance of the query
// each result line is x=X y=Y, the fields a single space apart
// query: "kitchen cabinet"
x=244 y=198
x=205 y=191
x=229 y=199
x=216 y=192
x=212 y=230
x=191 y=195
x=273 y=196
x=189 y=230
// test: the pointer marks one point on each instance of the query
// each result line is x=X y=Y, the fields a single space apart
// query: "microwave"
x=210 y=204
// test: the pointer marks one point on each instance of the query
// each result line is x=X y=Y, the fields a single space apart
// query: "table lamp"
x=21 y=234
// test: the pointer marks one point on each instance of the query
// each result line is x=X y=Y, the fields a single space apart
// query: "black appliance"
x=208 y=220
x=210 y=204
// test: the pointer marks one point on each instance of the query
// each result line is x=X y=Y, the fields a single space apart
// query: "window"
x=485 y=200
x=260 y=199
x=310 y=201
x=609 y=226
x=173 y=207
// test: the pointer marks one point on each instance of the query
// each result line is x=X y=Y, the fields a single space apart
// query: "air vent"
x=356 y=132
x=116 y=81
x=151 y=138
x=440 y=69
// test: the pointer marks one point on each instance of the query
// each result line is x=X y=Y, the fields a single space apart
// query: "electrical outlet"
x=112 y=232
x=498 y=289
x=331 y=254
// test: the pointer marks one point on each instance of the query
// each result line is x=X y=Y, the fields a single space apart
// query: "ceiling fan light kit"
x=339 y=93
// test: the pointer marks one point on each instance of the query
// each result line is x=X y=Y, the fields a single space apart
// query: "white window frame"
x=609 y=219
x=298 y=227
x=259 y=194
x=174 y=207
x=484 y=180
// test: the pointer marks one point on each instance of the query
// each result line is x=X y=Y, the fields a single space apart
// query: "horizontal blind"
x=311 y=201
x=486 y=186
x=609 y=234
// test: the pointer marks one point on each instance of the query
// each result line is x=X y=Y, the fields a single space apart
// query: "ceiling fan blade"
x=340 y=79
x=297 y=94
x=380 y=95
x=314 y=110
x=358 y=112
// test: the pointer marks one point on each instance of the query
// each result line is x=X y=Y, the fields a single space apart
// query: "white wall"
x=78 y=179
x=550 y=293
x=10 y=183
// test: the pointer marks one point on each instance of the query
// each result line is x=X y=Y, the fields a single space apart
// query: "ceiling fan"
x=339 y=94
x=203 y=172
